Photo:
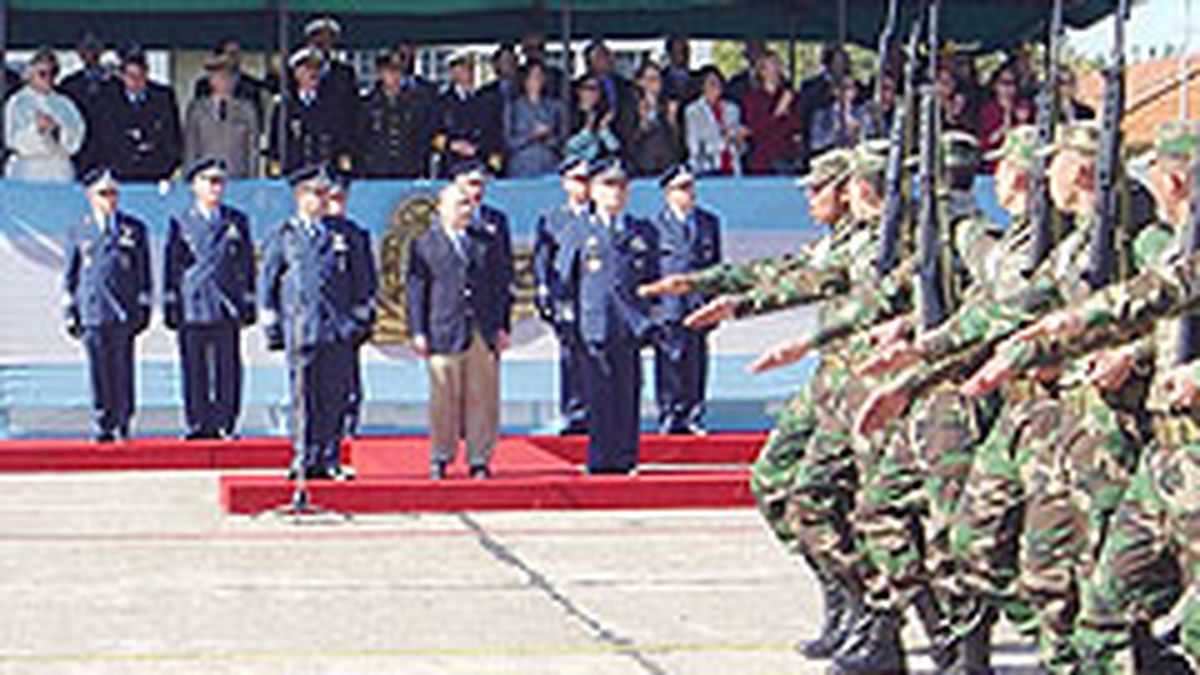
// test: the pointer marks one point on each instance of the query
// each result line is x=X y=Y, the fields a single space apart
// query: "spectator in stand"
x=654 y=140
x=843 y=123
x=220 y=125
x=747 y=78
x=533 y=49
x=406 y=57
x=12 y=82
x=714 y=131
x=462 y=116
x=139 y=133
x=1004 y=110
x=1027 y=77
x=771 y=117
x=533 y=127
x=497 y=95
x=315 y=131
x=89 y=87
x=42 y=128
x=339 y=82
x=679 y=80
x=593 y=137
x=246 y=87
x=1072 y=109
x=819 y=94
x=617 y=92
x=396 y=124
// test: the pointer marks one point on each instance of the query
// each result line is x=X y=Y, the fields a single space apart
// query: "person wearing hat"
x=462 y=118
x=458 y=315
x=689 y=240
x=139 y=134
x=315 y=299
x=246 y=87
x=316 y=130
x=396 y=125
x=600 y=266
x=42 y=128
x=339 y=82
x=208 y=298
x=222 y=125
x=107 y=300
x=339 y=196
x=554 y=226
x=88 y=87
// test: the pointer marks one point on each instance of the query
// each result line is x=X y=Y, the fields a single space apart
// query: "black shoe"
x=202 y=435
x=293 y=474
x=317 y=473
x=341 y=474
x=437 y=471
x=843 y=608
x=873 y=646
x=481 y=472
x=696 y=429
x=105 y=437
x=573 y=430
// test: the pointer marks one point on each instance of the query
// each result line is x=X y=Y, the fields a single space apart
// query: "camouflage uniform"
x=1058 y=459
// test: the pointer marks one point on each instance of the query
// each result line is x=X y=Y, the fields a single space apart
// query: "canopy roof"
x=191 y=24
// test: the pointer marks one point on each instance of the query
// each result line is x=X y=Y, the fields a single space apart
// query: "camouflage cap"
x=871 y=157
x=1177 y=138
x=1020 y=147
x=834 y=165
x=1082 y=137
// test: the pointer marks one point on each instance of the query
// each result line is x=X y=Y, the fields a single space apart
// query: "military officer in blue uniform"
x=553 y=228
x=339 y=195
x=314 y=295
x=208 y=297
x=107 y=303
x=601 y=266
x=471 y=177
x=690 y=240
x=316 y=128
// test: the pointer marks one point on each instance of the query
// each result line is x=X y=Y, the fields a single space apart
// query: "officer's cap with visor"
x=209 y=167
x=609 y=170
x=677 y=176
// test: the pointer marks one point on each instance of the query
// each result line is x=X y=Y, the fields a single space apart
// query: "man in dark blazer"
x=316 y=129
x=690 y=240
x=601 y=266
x=208 y=297
x=89 y=87
x=472 y=179
x=315 y=298
x=458 y=317
x=139 y=132
x=554 y=227
x=463 y=120
x=107 y=303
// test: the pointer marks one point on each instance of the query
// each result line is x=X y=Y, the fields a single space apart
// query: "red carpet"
x=528 y=473
x=143 y=454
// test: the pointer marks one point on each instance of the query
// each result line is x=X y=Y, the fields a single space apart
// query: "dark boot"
x=843 y=607
x=972 y=653
x=937 y=627
x=873 y=646
x=1153 y=656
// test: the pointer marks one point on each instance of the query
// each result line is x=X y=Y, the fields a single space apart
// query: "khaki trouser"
x=464 y=403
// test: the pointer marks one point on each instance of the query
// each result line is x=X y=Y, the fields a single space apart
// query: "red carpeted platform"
x=528 y=473
x=144 y=454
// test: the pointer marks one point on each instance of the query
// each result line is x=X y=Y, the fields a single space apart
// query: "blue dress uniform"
x=602 y=265
x=108 y=294
x=553 y=228
x=689 y=243
x=315 y=297
x=354 y=394
x=208 y=297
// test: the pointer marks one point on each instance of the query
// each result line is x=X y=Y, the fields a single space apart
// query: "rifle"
x=1042 y=217
x=931 y=274
x=885 y=46
x=1102 y=263
x=1189 y=330
x=892 y=221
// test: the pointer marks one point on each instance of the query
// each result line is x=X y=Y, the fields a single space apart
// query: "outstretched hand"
x=998 y=371
x=712 y=313
x=674 y=284
x=890 y=358
x=782 y=354
x=883 y=406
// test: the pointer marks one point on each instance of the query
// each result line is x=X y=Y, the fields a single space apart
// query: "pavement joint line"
x=620 y=644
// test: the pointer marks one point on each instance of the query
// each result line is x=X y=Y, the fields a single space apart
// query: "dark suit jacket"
x=450 y=298
x=686 y=249
x=144 y=141
x=464 y=119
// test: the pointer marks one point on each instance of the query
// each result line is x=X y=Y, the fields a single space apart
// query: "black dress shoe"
x=573 y=430
x=341 y=474
x=105 y=437
x=317 y=473
x=696 y=429
x=481 y=472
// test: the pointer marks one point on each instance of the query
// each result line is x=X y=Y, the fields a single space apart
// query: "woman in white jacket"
x=42 y=127
x=713 y=127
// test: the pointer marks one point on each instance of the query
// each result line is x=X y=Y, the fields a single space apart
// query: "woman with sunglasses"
x=42 y=127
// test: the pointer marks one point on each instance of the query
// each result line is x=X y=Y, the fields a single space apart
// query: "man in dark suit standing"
x=338 y=81
x=89 y=87
x=107 y=303
x=139 y=132
x=471 y=179
x=208 y=297
x=462 y=124
x=457 y=314
x=554 y=226
x=396 y=125
x=605 y=260
x=315 y=296
x=315 y=130
x=690 y=240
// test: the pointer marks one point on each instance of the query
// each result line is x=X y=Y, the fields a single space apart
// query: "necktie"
x=222 y=110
